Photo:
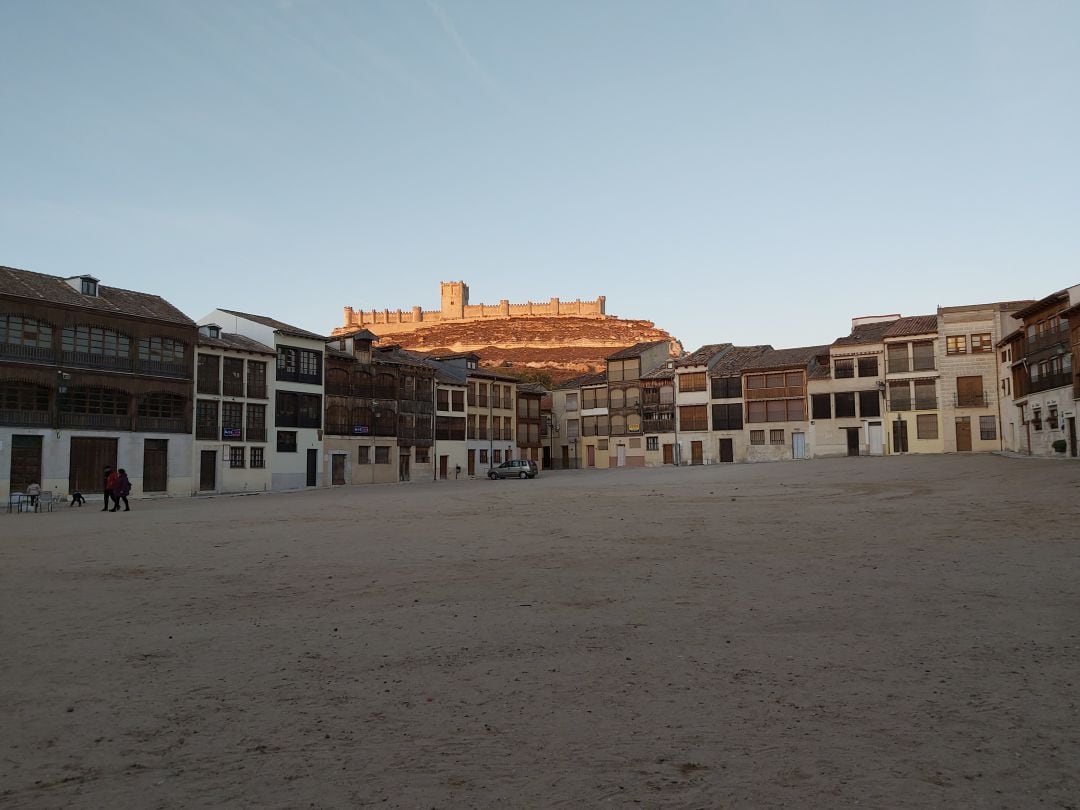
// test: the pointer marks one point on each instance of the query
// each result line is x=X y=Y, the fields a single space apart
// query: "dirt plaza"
x=871 y=632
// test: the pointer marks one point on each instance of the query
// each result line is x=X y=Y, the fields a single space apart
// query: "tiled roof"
x=634 y=351
x=703 y=355
x=397 y=356
x=798 y=357
x=531 y=388
x=277 y=326
x=1042 y=303
x=357 y=334
x=111 y=300
x=664 y=371
x=1015 y=334
x=865 y=333
x=592 y=378
x=333 y=351
x=228 y=340
x=913 y=325
x=733 y=362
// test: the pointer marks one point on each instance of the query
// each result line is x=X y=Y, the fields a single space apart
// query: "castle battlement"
x=455 y=308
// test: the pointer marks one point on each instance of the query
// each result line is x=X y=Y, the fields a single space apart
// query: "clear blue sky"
x=747 y=171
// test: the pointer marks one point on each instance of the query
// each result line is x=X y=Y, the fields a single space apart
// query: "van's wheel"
x=493 y=475
x=523 y=476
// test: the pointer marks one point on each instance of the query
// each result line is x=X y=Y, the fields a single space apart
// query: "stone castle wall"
x=389 y=321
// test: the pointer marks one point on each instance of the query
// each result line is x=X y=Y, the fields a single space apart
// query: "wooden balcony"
x=26 y=354
x=658 y=425
x=161 y=424
x=19 y=418
x=95 y=421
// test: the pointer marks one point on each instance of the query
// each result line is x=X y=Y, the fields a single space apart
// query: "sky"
x=755 y=172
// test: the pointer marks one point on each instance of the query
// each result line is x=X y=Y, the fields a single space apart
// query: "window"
x=693 y=381
x=95 y=341
x=232 y=420
x=757 y=437
x=87 y=286
x=594 y=398
x=618 y=425
x=23 y=396
x=286 y=441
x=845 y=404
x=298 y=410
x=868 y=366
x=483 y=456
x=897 y=358
x=926 y=426
x=482 y=433
x=496 y=457
x=572 y=431
x=925 y=395
x=981 y=344
x=727 y=417
x=572 y=402
x=382 y=455
x=1004 y=355
x=256 y=423
x=633 y=423
x=726 y=387
x=602 y=444
x=470 y=421
x=843 y=368
x=652 y=442
x=776 y=410
x=207 y=374
x=457 y=401
x=869 y=403
x=922 y=353
x=256 y=379
x=693 y=417
x=617 y=398
x=233 y=377
x=900 y=396
x=633 y=396
x=299 y=365
x=1036 y=419
x=987 y=428
x=956 y=344
x=1052 y=418
x=206 y=419
x=162 y=406
x=17 y=330
x=820 y=406
x=161 y=350
x=442 y=400
x=236 y=457
x=363 y=455
x=471 y=393
x=422 y=453
x=257 y=462
x=776 y=437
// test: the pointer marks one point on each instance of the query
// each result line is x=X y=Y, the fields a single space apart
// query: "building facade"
x=775 y=391
x=90 y=376
x=624 y=371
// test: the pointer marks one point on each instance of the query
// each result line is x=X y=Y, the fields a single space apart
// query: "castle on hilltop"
x=455 y=308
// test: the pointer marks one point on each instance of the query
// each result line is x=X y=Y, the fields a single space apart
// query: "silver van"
x=515 y=468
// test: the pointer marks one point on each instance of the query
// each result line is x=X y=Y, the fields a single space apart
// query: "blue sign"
x=231 y=433
x=361 y=430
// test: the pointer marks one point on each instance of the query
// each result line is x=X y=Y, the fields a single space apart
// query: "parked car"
x=515 y=468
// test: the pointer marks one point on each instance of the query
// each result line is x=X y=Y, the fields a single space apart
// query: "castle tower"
x=454 y=299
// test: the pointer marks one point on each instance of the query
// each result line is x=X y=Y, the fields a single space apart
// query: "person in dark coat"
x=121 y=489
x=110 y=476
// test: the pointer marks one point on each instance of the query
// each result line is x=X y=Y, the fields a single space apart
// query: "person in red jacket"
x=121 y=489
x=110 y=482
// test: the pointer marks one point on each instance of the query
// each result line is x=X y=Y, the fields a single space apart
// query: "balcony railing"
x=694 y=424
x=900 y=404
x=384 y=392
x=1045 y=383
x=159 y=369
x=28 y=354
x=256 y=391
x=90 y=360
x=788 y=392
x=658 y=425
x=925 y=404
x=17 y=418
x=971 y=399
x=95 y=421
x=232 y=389
x=161 y=424
x=259 y=434
x=1046 y=339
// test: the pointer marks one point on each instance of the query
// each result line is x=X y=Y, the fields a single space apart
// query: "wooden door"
x=852 y=441
x=444 y=466
x=403 y=466
x=565 y=457
x=472 y=462
x=312 y=468
x=89 y=458
x=25 y=462
x=155 y=465
x=208 y=471
x=727 y=450
x=1071 y=422
x=697 y=456
x=963 y=433
x=900 y=436
x=590 y=455
x=337 y=469
x=669 y=454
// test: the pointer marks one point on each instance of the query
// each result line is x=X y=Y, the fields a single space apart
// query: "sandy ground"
x=897 y=632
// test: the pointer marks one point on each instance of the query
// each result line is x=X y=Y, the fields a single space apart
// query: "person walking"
x=110 y=479
x=121 y=490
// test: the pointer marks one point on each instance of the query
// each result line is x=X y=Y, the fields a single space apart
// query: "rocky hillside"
x=561 y=347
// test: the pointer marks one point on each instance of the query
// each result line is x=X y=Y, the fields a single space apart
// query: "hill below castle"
x=561 y=347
